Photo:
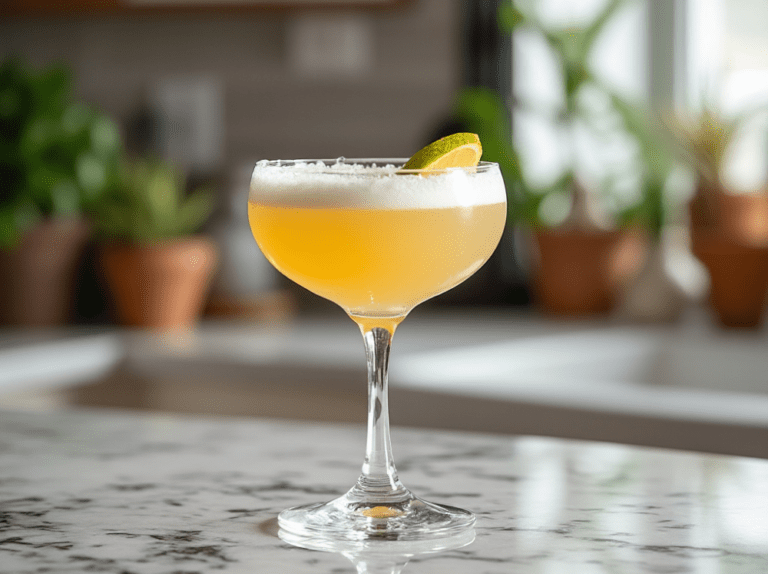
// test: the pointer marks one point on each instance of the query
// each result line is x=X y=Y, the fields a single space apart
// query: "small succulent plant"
x=152 y=205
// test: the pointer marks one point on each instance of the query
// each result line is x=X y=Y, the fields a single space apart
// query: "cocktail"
x=377 y=240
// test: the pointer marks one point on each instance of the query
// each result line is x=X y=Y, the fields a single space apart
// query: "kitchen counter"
x=99 y=491
x=687 y=386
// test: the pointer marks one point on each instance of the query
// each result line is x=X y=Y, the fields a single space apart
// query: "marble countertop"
x=98 y=491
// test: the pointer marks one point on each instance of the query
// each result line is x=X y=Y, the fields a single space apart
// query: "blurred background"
x=633 y=138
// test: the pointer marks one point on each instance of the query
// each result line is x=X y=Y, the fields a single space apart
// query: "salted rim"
x=380 y=164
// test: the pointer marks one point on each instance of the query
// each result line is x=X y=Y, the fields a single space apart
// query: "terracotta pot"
x=37 y=277
x=739 y=278
x=582 y=272
x=161 y=286
x=744 y=217
x=741 y=217
x=703 y=207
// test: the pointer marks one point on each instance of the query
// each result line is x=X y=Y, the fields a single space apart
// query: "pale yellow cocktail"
x=379 y=262
x=379 y=256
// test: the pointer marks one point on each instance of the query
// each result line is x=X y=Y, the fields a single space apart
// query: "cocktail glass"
x=377 y=240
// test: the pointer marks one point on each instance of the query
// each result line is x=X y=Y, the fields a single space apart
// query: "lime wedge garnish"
x=457 y=150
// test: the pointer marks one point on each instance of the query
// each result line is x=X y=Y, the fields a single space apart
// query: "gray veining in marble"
x=146 y=494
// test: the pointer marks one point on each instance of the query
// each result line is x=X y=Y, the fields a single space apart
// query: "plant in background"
x=705 y=140
x=57 y=156
x=657 y=155
x=157 y=270
x=580 y=266
x=485 y=114
x=152 y=206
x=699 y=142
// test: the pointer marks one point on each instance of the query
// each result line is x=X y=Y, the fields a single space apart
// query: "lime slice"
x=457 y=150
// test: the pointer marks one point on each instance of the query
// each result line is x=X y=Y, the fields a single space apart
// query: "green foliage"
x=509 y=17
x=152 y=205
x=658 y=154
x=486 y=115
x=651 y=211
x=572 y=45
x=482 y=112
x=57 y=157
x=699 y=142
x=703 y=140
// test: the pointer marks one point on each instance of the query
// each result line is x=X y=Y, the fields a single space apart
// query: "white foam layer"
x=357 y=186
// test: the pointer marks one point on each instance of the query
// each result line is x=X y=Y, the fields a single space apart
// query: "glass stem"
x=378 y=481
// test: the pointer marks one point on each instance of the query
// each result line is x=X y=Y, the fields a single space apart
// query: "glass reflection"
x=381 y=557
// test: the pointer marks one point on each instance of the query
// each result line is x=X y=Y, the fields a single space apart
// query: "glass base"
x=348 y=519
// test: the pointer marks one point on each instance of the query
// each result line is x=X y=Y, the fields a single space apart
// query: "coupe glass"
x=377 y=240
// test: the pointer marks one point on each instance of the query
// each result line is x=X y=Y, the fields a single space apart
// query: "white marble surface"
x=140 y=494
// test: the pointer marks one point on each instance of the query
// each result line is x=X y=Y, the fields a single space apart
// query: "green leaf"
x=105 y=137
x=51 y=88
x=38 y=136
x=194 y=211
x=9 y=233
x=91 y=174
x=509 y=17
x=15 y=220
x=650 y=212
x=40 y=181
x=576 y=75
x=162 y=193
x=47 y=143
x=75 y=119
x=482 y=105
x=65 y=197
x=147 y=204
x=10 y=103
x=113 y=221
x=592 y=32
x=656 y=148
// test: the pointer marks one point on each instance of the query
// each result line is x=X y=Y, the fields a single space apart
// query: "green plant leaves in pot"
x=57 y=156
x=152 y=206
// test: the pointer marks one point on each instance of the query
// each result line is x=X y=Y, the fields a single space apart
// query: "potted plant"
x=729 y=231
x=156 y=268
x=705 y=139
x=580 y=262
x=57 y=158
x=653 y=295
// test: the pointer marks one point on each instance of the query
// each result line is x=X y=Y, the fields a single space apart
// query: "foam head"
x=373 y=184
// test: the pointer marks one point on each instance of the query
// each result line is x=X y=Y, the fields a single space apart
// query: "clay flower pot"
x=741 y=217
x=37 y=277
x=161 y=286
x=739 y=278
x=744 y=217
x=580 y=272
